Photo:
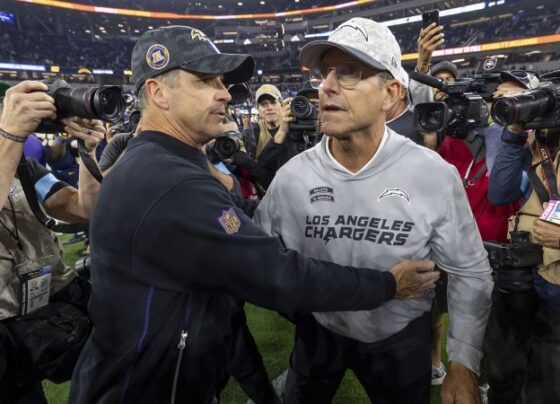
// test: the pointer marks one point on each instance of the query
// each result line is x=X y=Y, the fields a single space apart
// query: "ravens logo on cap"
x=197 y=34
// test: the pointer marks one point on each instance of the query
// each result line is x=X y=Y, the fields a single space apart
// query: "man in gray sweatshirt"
x=365 y=195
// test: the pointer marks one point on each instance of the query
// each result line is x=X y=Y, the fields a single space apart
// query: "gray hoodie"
x=406 y=203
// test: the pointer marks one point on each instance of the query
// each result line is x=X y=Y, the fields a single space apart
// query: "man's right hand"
x=414 y=278
x=25 y=106
x=430 y=38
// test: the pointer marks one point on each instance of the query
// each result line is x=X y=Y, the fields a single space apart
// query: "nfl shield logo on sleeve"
x=229 y=221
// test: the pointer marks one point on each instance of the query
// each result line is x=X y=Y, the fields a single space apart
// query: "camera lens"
x=225 y=147
x=108 y=104
x=301 y=108
x=522 y=108
x=105 y=103
x=431 y=116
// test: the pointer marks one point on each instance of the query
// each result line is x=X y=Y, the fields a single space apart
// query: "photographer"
x=269 y=106
x=229 y=157
x=522 y=344
x=29 y=250
x=400 y=117
x=289 y=142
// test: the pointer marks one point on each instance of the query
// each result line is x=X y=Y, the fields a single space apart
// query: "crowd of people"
x=335 y=207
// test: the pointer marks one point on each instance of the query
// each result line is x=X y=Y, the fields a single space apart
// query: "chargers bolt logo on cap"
x=157 y=57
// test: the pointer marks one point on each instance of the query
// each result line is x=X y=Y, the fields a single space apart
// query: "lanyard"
x=547 y=167
x=469 y=182
x=14 y=235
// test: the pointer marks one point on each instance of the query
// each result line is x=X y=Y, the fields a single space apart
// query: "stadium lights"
x=19 y=66
x=487 y=47
x=417 y=18
x=167 y=15
x=102 y=71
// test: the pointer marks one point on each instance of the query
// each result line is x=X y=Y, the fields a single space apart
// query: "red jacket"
x=492 y=220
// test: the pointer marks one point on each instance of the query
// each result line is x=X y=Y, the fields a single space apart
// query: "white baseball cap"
x=270 y=90
x=368 y=41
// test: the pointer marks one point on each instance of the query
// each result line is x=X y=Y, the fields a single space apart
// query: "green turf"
x=274 y=337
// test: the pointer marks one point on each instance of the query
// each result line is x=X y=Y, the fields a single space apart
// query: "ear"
x=156 y=92
x=393 y=94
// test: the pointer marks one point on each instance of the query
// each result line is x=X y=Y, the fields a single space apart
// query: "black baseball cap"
x=180 y=47
x=307 y=89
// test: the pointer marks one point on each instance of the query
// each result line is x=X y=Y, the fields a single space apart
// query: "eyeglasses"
x=347 y=74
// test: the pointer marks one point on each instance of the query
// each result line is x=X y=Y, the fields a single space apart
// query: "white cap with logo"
x=368 y=41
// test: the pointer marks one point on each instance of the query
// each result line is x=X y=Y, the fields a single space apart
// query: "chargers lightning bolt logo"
x=357 y=27
x=394 y=192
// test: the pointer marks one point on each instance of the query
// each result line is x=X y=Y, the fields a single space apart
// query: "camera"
x=513 y=265
x=534 y=109
x=224 y=147
x=103 y=102
x=462 y=110
x=487 y=77
x=305 y=114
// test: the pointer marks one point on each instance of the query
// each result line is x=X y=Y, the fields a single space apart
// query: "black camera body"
x=462 y=110
x=534 y=109
x=224 y=147
x=306 y=118
x=514 y=264
x=485 y=85
x=103 y=102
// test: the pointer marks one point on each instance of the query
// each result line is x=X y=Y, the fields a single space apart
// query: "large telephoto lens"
x=105 y=103
x=523 y=107
x=108 y=103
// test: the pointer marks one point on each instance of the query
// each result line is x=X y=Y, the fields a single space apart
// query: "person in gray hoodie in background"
x=365 y=195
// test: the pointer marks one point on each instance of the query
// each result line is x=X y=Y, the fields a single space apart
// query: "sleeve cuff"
x=513 y=138
x=464 y=354
x=390 y=285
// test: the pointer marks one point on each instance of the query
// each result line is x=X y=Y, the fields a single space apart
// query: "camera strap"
x=31 y=196
x=478 y=154
x=91 y=166
x=549 y=189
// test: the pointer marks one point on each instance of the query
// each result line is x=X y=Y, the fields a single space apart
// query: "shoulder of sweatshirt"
x=398 y=151
x=417 y=158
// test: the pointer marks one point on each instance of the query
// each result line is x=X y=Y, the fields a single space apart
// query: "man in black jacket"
x=172 y=254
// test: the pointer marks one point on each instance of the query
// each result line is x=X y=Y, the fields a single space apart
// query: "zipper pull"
x=182 y=341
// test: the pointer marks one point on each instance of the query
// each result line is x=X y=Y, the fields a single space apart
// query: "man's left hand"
x=547 y=234
x=91 y=131
x=460 y=386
